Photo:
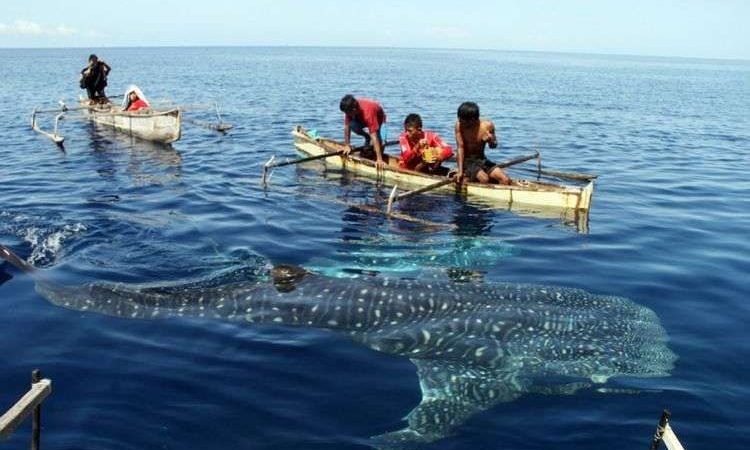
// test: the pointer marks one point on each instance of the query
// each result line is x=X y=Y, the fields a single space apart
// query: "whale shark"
x=474 y=345
x=405 y=258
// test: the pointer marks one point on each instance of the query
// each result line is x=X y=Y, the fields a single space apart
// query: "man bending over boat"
x=422 y=151
x=94 y=79
x=472 y=134
x=360 y=114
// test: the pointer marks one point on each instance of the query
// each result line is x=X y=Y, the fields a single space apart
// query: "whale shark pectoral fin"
x=451 y=393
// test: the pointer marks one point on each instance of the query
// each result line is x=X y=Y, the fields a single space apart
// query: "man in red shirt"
x=422 y=151
x=360 y=114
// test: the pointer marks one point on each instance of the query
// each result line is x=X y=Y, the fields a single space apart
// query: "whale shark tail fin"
x=8 y=255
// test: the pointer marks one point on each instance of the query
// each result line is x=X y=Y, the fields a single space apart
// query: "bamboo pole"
x=270 y=164
x=393 y=198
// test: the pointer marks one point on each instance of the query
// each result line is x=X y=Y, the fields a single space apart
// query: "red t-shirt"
x=410 y=156
x=371 y=114
x=138 y=104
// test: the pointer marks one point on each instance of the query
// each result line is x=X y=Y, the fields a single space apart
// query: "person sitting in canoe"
x=422 y=151
x=94 y=79
x=360 y=114
x=134 y=100
x=472 y=134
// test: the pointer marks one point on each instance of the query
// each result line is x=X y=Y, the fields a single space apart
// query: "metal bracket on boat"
x=391 y=198
x=266 y=172
x=538 y=161
x=221 y=125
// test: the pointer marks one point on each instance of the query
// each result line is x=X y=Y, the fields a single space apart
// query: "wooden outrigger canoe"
x=164 y=126
x=521 y=192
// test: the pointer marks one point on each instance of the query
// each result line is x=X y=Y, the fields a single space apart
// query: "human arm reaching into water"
x=490 y=137
x=460 y=153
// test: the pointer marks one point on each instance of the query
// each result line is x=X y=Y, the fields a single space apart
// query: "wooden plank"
x=24 y=407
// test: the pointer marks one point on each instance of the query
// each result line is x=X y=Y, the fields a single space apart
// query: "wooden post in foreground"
x=29 y=404
x=36 y=418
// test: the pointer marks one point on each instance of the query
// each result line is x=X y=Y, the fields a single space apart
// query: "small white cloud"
x=29 y=28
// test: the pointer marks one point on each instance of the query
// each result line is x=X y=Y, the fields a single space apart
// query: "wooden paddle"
x=270 y=164
x=565 y=175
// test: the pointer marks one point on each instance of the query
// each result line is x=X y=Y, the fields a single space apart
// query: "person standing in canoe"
x=94 y=79
x=360 y=114
x=472 y=134
x=421 y=150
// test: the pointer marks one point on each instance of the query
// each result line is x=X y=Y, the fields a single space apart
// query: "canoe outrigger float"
x=161 y=125
x=532 y=194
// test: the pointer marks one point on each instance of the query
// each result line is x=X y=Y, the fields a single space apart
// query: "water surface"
x=669 y=138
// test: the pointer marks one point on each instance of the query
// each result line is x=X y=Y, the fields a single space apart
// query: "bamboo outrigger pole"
x=54 y=136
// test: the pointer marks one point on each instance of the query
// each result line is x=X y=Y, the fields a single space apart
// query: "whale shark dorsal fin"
x=8 y=255
x=286 y=276
x=451 y=393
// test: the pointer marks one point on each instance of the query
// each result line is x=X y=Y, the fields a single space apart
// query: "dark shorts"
x=359 y=128
x=473 y=166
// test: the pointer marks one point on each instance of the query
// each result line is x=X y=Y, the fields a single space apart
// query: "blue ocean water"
x=670 y=139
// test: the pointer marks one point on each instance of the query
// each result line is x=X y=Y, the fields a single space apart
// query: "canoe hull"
x=157 y=126
x=522 y=192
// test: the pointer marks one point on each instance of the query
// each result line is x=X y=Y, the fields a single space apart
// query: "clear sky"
x=693 y=28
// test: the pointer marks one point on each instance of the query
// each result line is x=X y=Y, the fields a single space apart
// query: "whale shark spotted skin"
x=474 y=345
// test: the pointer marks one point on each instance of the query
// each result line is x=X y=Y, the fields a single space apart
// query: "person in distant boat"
x=472 y=134
x=135 y=100
x=94 y=79
x=360 y=114
x=421 y=150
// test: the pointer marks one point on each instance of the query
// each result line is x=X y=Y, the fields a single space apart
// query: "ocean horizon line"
x=365 y=47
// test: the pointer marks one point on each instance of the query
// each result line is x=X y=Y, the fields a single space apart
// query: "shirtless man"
x=472 y=133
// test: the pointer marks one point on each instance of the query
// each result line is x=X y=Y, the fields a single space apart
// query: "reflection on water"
x=471 y=220
x=373 y=244
x=148 y=163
